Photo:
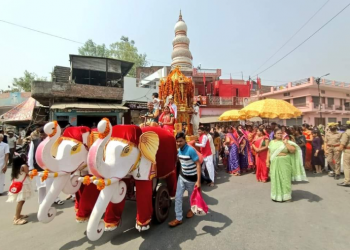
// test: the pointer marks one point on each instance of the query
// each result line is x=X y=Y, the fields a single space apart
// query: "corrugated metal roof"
x=106 y=106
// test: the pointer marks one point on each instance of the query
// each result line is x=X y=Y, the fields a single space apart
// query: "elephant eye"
x=126 y=151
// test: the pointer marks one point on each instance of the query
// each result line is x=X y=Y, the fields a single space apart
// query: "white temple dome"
x=180 y=26
x=181 y=39
x=181 y=55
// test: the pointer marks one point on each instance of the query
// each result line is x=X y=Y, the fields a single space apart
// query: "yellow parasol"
x=231 y=115
x=271 y=108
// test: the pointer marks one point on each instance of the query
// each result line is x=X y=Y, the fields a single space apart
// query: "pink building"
x=303 y=94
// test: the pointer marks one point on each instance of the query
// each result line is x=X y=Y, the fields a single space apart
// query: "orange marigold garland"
x=55 y=129
x=86 y=180
x=101 y=184
x=107 y=130
x=45 y=175
x=33 y=173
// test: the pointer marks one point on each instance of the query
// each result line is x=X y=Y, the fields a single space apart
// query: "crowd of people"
x=280 y=154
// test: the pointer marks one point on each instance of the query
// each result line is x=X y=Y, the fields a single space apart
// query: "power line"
x=291 y=37
x=42 y=32
x=303 y=41
x=60 y=37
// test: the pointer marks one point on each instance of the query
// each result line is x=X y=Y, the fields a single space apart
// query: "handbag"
x=198 y=205
x=16 y=186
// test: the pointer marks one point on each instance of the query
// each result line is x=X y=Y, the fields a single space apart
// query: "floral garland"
x=33 y=173
x=45 y=175
x=107 y=130
x=101 y=184
x=54 y=130
x=86 y=180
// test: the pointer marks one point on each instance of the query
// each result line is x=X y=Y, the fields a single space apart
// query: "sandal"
x=59 y=202
x=69 y=197
x=21 y=217
x=211 y=184
x=19 y=221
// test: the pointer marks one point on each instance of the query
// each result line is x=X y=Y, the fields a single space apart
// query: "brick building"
x=90 y=89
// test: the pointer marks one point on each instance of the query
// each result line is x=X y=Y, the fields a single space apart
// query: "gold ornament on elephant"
x=149 y=143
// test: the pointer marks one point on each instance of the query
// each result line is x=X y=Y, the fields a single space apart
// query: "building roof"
x=88 y=106
x=61 y=74
x=125 y=66
x=21 y=113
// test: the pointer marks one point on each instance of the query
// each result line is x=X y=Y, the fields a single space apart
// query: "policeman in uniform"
x=333 y=153
x=345 y=145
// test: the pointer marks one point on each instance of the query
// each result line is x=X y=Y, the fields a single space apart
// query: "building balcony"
x=48 y=92
x=234 y=102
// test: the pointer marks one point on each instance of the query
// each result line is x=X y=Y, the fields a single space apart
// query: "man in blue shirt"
x=190 y=176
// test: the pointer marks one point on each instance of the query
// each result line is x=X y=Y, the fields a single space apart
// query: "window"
x=286 y=94
x=330 y=101
x=299 y=102
x=332 y=119
x=316 y=100
x=344 y=120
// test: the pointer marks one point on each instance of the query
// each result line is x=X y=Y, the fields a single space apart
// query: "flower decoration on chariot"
x=148 y=145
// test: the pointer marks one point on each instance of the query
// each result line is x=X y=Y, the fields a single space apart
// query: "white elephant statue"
x=125 y=153
x=60 y=156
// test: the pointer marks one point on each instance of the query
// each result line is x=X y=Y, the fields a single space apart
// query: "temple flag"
x=258 y=81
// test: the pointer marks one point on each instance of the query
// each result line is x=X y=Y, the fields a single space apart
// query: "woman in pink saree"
x=167 y=119
x=260 y=146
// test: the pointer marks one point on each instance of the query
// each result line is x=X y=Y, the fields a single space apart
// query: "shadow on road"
x=305 y=195
x=159 y=236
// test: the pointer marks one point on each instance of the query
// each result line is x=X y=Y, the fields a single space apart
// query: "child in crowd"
x=19 y=173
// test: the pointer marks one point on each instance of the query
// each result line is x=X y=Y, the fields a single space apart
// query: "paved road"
x=242 y=216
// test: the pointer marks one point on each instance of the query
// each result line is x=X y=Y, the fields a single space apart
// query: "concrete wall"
x=43 y=91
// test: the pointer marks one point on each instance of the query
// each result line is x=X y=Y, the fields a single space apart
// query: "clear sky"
x=229 y=34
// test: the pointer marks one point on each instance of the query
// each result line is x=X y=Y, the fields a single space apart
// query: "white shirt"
x=11 y=141
x=4 y=149
x=156 y=103
x=212 y=146
x=204 y=141
x=175 y=109
x=195 y=117
x=31 y=156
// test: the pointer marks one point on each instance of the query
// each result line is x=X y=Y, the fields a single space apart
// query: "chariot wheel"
x=162 y=203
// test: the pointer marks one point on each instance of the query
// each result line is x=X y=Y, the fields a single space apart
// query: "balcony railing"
x=338 y=107
x=240 y=101
x=329 y=107
x=347 y=108
x=300 y=105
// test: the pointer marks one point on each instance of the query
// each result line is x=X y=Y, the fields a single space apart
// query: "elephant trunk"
x=96 y=226
x=47 y=213
x=72 y=186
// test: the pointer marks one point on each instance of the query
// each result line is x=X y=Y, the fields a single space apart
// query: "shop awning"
x=88 y=106
x=23 y=112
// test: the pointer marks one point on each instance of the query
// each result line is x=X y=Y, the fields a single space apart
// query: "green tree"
x=92 y=49
x=25 y=83
x=125 y=50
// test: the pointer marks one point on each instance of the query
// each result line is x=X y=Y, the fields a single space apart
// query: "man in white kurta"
x=4 y=157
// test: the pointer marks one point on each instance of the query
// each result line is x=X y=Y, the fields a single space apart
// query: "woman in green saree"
x=286 y=165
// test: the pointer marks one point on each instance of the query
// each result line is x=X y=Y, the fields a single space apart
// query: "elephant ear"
x=148 y=145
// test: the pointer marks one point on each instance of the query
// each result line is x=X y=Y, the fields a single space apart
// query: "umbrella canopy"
x=271 y=108
x=231 y=115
